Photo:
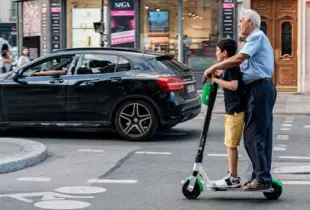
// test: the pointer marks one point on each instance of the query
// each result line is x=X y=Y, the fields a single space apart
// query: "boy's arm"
x=231 y=85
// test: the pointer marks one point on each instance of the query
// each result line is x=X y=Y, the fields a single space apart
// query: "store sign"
x=44 y=27
x=55 y=25
x=122 y=23
x=228 y=10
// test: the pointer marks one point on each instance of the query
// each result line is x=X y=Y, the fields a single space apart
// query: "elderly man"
x=256 y=60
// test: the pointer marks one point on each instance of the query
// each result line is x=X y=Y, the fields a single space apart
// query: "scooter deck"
x=237 y=189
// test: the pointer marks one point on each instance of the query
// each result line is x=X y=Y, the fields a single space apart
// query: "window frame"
x=75 y=57
x=79 y=63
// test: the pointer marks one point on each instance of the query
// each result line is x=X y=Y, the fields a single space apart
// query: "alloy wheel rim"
x=135 y=120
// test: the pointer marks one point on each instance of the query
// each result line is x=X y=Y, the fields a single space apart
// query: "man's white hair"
x=249 y=14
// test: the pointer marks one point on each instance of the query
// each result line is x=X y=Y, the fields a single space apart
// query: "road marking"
x=91 y=150
x=288 y=121
x=219 y=155
x=279 y=148
x=202 y=117
x=289 y=118
x=307 y=126
x=153 y=153
x=286 y=125
x=282 y=137
x=294 y=157
x=62 y=204
x=296 y=182
x=34 y=179
x=285 y=129
x=113 y=181
x=81 y=190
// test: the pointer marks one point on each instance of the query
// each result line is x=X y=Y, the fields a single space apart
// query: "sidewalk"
x=286 y=104
x=17 y=154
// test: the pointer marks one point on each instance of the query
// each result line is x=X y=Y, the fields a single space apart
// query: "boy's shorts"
x=233 y=129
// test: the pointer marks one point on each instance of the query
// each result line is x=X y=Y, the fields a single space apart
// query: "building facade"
x=8 y=15
x=188 y=29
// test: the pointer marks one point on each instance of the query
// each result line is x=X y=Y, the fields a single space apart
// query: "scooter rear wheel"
x=277 y=190
x=191 y=194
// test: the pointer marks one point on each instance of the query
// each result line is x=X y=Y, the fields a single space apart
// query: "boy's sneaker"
x=228 y=181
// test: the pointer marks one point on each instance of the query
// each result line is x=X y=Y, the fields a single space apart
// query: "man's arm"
x=231 y=62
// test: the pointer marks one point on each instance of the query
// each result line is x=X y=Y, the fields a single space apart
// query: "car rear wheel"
x=136 y=120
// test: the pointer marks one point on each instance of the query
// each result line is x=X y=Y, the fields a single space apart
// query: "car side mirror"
x=16 y=78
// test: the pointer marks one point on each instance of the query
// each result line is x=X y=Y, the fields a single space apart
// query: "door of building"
x=279 y=22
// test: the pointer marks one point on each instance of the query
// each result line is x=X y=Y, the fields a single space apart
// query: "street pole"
x=180 y=37
x=102 y=22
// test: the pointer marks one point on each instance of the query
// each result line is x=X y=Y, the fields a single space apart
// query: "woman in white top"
x=24 y=58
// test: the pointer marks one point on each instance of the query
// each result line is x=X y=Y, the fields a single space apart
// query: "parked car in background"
x=132 y=91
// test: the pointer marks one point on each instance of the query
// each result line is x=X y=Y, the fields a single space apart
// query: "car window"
x=123 y=65
x=54 y=63
x=97 y=64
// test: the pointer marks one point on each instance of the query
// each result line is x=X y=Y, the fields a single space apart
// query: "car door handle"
x=56 y=81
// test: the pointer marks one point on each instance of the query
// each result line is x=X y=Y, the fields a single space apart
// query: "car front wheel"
x=136 y=120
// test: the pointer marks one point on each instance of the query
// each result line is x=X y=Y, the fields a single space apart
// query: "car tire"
x=136 y=120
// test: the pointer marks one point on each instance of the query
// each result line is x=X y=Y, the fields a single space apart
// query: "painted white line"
x=288 y=121
x=219 y=155
x=296 y=182
x=282 y=137
x=295 y=157
x=62 y=204
x=202 y=117
x=91 y=150
x=289 y=118
x=286 y=125
x=34 y=179
x=153 y=153
x=307 y=126
x=81 y=190
x=285 y=129
x=279 y=149
x=113 y=181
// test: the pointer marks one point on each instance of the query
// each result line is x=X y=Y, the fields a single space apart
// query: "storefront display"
x=201 y=30
x=122 y=23
x=83 y=33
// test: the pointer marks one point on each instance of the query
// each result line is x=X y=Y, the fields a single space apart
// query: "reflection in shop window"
x=263 y=27
x=286 y=38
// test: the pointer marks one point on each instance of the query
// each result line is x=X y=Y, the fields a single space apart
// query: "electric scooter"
x=198 y=181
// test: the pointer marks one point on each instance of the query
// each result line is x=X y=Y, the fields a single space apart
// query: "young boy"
x=231 y=81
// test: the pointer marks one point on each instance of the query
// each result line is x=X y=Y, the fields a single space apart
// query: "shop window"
x=263 y=27
x=98 y=64
x=123 y=65
x=286 y=30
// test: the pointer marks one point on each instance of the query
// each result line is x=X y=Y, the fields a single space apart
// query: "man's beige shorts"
x=233 y=129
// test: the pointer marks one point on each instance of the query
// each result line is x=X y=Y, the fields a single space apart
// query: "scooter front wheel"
x=191 y=194
x=277 y=190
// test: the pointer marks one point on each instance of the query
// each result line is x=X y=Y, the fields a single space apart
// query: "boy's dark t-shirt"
x=234 y=100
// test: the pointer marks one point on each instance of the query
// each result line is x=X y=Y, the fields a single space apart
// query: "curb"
x=275 y=113
x=31 y=154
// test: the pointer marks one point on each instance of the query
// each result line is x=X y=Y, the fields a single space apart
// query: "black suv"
x=133 y=91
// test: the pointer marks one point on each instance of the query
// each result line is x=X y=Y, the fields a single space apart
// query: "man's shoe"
x=256 y=185
x=228 y=181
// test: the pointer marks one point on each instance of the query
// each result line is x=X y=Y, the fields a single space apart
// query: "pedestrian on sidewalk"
x=256 y=60
x=24 y=58
x=231 y=81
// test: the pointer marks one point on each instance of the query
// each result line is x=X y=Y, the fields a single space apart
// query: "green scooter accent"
x=198 y=181
x=206 y=93
x=277 y=182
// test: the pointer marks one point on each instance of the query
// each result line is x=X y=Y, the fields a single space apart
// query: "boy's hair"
x=229 y=45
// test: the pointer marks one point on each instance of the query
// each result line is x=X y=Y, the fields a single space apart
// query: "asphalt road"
x=148 y=174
